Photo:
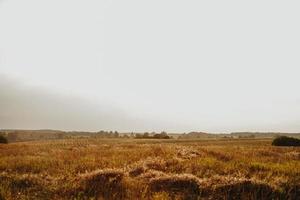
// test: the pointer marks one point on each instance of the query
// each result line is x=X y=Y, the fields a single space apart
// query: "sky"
x=176 y=66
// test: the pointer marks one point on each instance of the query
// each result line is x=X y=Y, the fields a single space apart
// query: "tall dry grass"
x=149 y=169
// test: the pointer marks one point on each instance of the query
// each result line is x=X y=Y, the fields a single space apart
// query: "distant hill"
x=264 y=134
x=195 y=135
x=16 y=135
x=27 y=135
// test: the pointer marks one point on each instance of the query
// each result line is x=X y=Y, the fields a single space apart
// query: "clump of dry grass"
x=104 y=183
x=228 y=187
x=137 y=171
x=149 y=163
x=187 y=186
x=22 y=186
x=188 y=153
x=151 y=174
x=294 y=155
x=219 y=155
x=245 y=190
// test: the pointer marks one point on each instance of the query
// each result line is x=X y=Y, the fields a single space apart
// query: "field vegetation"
x=97 y=168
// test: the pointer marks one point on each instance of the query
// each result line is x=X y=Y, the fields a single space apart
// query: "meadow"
x=90 y=168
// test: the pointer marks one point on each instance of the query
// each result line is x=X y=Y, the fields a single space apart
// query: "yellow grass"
x=149 y=169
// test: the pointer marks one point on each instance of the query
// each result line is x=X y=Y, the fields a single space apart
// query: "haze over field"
x=177 y=66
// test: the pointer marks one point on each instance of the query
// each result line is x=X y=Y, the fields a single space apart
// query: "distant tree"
x=138 y=135
x=116 y=134
x=60 y=135
x=146 y=135
x=157 y=136
x=3 y=139
x=12 y=136
x=162 y=135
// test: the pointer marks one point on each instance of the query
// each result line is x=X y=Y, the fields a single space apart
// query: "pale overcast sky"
x=215 y=66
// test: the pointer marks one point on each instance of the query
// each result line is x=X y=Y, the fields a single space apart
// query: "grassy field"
x=149 y=169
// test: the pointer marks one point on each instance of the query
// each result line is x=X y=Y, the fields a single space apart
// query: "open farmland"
x=149 y=169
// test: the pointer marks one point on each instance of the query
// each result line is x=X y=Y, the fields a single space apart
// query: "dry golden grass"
x=149 y=169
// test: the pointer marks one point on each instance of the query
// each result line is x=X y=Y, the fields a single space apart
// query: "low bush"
x=3 y=139
x=286 y=141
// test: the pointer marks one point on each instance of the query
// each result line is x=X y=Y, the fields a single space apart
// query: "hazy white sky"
x=151 y=65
